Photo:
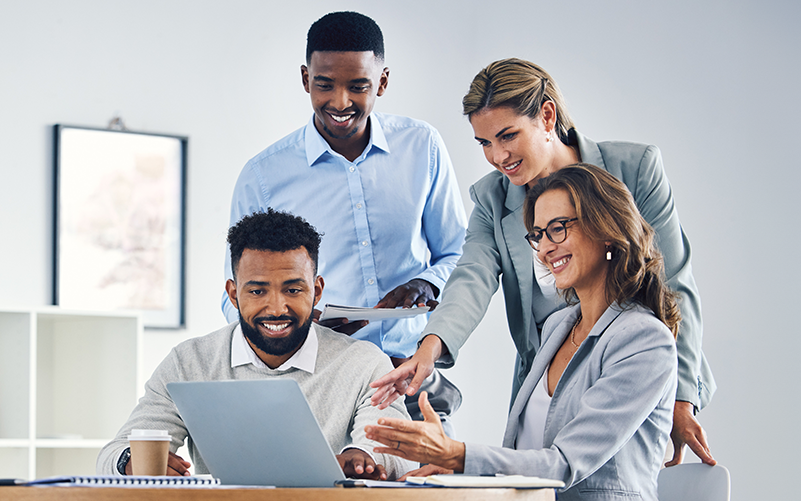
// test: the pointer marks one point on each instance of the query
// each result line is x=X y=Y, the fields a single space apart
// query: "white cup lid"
x=149 y=435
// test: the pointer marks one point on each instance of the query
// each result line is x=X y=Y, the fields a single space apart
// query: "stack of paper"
x=499 y=481
x=355 y=313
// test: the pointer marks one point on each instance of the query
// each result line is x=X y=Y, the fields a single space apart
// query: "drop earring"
x=608 y=253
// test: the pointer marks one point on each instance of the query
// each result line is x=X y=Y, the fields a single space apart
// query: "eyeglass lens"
x=556 y=231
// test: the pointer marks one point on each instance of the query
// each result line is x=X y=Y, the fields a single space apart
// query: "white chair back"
x=694 y=482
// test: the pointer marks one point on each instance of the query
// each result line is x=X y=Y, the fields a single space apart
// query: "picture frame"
x=120 y=222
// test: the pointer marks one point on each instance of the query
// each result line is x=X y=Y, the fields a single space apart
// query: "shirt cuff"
x=689 y=393
x=431 y=277
x=361 y=449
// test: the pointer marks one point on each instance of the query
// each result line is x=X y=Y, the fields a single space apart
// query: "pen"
x=11 y=481
x=351 y=483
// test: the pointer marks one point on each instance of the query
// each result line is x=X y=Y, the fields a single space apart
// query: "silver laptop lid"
x=259 y=432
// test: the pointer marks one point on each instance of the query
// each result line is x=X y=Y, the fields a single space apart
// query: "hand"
x=356 y=463
x=429 y=469
x=341 y=325
x=424 y=441
x=176 y=466
x=414 y=292
x=407 y=378
x=687 y=430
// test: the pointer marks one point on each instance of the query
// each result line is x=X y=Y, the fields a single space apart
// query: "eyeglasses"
x=556 y=231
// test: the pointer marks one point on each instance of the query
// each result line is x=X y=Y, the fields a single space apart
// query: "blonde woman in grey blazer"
x=520 y=119
x=595 y=409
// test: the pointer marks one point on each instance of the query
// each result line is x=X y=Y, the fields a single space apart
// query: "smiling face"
x=343 y=87
x=515 y=144
x=578 y=262
x=275 y=293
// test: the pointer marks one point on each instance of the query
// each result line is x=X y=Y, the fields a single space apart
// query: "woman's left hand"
x=424 y=441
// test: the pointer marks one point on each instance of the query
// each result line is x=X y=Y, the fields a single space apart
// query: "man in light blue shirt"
x=381 y=188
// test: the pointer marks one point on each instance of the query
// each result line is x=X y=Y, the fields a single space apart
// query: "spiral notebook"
x=123 y=481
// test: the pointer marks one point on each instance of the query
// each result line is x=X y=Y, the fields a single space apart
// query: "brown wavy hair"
x=606 y=212
x=520 y=85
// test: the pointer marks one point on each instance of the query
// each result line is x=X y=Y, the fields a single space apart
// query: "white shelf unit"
x=68 y=381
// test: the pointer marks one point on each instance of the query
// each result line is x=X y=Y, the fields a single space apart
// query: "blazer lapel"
x=547 y=351
x=603 y=323
x=588 y=150
x=584 y=351
x=514 y=232
x=545 y=354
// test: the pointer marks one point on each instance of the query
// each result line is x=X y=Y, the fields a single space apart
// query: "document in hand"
x=355 y=313
x=497 y=481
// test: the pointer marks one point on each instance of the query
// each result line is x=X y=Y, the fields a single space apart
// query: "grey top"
x=611 y=413
x=338 y=393
x=495 y=251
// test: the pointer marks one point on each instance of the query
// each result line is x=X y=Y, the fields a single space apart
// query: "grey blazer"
x=611 y=413
x=495 y=251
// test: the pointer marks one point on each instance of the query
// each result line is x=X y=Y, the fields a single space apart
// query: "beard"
x=276 y=346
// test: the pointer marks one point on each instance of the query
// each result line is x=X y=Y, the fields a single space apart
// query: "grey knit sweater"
x=338 y=393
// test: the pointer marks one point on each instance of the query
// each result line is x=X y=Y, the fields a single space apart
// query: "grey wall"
x=714 y=84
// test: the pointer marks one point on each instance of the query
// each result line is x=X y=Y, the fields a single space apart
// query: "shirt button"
x=371 y=281
x=352 y=168
x=364 y=243
x=358 y=206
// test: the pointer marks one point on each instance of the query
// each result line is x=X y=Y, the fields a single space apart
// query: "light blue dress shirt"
x=391 y=215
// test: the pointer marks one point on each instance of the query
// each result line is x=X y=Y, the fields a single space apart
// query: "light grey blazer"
x=611 y=412
x=495 y=251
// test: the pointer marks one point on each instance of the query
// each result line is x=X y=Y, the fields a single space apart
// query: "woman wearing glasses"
x=595 y=409
x=520 y=120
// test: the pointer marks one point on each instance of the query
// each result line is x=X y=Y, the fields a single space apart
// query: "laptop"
x=259 y=432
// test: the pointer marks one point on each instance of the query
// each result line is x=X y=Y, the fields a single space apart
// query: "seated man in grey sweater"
x=275 y=287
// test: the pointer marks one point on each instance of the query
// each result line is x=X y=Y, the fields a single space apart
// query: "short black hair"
x=274 y=231
x=345 y=32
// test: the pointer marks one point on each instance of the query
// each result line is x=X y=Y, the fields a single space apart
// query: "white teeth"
x=510 y=167
x=340 y=119
x=275 y=328
x=561 y=262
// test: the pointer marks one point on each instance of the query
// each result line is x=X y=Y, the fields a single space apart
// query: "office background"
x=713 y=84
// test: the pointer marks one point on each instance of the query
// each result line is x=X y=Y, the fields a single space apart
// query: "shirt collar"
x=316 y=145
x=304 y=359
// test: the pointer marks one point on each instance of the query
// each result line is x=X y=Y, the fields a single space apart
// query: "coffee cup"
x=150 y=450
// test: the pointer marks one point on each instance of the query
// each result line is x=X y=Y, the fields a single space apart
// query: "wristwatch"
x=122 y=462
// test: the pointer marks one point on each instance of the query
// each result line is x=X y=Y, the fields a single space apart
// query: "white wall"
x=714 y=84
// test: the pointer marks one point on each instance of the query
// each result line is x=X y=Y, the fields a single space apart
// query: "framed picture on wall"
x=119 y=222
